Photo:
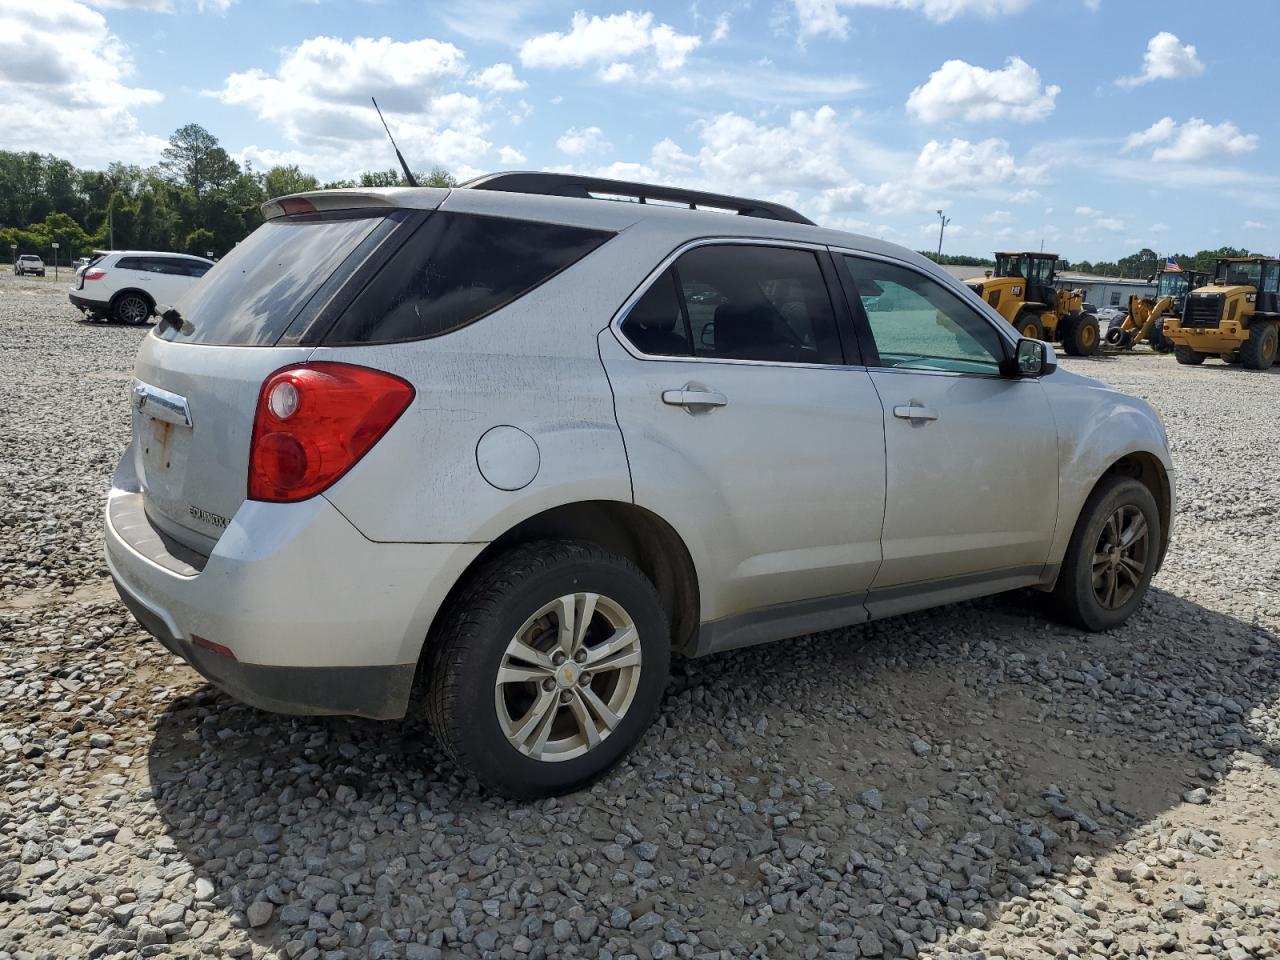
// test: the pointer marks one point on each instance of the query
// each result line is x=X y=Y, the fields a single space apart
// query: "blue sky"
x=1095 y=126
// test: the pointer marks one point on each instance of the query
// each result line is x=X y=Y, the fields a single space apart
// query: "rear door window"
x=455 y=269
x=253 y=293
x=738 y=302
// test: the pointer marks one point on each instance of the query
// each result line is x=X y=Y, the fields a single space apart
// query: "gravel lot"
x=969 y=782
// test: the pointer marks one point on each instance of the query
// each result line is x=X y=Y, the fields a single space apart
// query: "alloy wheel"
x=1120 y=557
x=568 y=677
x=133 y=310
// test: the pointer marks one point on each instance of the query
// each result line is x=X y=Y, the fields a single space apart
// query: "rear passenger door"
x=972 y=455
x=749 y=429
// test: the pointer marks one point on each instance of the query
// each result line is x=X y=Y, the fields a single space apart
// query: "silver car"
x=498 y=452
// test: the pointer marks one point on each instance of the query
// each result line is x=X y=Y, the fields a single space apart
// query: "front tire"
x=547 y=667
x=1259 y=351
x=1188 y=357
x=1111 y=558
x=1157 y=339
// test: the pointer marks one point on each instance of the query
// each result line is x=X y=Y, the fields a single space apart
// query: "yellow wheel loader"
x=1144 y=319
x=1021 y=290
x=1236 y=317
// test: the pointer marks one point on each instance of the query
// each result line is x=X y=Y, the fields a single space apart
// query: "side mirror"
x=1032 y=358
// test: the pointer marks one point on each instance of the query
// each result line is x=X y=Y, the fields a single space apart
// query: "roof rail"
x=572 y=185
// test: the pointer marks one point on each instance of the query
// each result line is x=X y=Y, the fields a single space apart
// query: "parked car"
x=79 y=263
x=519 y=446
x=128 y=286
x=29 y=263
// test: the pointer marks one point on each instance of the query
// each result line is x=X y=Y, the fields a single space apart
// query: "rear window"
x=455 y=269
x=251 y=295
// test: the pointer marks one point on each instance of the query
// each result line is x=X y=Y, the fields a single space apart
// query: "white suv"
x=510 y=446
x=128 y=286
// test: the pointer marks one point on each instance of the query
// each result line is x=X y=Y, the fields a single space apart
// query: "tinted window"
x=919 y=324
x=253 y=293
x=657 y=324
x=129 y=263
x=455 y=269
x=739 y=302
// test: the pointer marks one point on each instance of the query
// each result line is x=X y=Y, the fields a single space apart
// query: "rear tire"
x=497 y=666
x=131 y=308
x=1111 y=558
x=1188 y=357
x=1259 y=351
x=1028 y=325
x=1080 y=337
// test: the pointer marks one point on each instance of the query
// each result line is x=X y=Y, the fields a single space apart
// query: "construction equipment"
x=1021 y=290
x=1144 y=319
x=1236 y=317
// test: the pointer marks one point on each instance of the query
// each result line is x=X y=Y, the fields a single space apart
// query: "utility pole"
x=111 y=227
x=942 y=227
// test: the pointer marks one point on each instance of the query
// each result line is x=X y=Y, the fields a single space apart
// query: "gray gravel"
x=970 y=782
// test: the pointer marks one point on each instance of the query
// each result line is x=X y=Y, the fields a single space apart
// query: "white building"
x=1104 y=291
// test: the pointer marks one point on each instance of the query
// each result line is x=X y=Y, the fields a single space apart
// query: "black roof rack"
x=572 y=185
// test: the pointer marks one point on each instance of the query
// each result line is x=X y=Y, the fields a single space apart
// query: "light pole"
x=55 y=246
x=13 y=255
x=942 y=227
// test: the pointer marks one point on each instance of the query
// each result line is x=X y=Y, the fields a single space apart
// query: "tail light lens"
x=314 y=422
x=94 y=273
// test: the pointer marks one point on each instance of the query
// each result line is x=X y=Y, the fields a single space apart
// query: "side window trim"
x=670 y=261
x=866 y=339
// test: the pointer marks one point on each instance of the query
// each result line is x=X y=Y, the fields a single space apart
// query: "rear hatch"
x=198 y=375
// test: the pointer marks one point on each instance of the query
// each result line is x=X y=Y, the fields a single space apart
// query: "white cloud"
x=500 y=78
x=510 y=156
x=1166 y=59
x=1087 y=212
x=817 y=17
x=962 y=91
x=1158 y=228
x=576 y=142
x=807 y=151
x=1024 y=196
x=1254 y=225
x=721 y=29
x=65 y=82
x=998 y=216
x=318 y=100
x=962 y=164
x=155 y=6
x=619 y=44
x=1192 y=141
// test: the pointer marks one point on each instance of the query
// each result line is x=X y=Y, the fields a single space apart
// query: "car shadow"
x=865 y=757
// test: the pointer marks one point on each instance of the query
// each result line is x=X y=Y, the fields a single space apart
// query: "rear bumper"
x=319 y=619
x=378 y=692
x=87 y=304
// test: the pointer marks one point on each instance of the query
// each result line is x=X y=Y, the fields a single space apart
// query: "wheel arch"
x=1147 y=469
x=115 y=297
x=630 y=531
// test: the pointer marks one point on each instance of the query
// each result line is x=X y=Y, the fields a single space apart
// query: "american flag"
x=1171 y=265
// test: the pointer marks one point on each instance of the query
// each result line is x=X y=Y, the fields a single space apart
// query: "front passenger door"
x=972 y=456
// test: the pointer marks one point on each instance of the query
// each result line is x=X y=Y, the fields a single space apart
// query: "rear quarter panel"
x=533 y=365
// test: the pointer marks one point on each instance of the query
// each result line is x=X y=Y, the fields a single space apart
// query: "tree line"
x=1140 y=265
x=198 y=199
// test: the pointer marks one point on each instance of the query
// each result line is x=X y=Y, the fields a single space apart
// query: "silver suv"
x=498 y=452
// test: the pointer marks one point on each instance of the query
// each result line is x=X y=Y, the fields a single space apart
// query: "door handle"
x=690 y=396
x=915 y=411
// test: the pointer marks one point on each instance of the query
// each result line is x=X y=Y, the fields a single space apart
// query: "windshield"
x=1236 y=273
x=1172 y=285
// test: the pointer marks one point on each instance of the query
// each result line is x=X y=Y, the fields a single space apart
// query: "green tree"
x=200 y=242
x=195 y=160
x=282 y=181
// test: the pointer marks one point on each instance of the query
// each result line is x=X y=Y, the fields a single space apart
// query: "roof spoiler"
x=320 y=201
x=572 y=185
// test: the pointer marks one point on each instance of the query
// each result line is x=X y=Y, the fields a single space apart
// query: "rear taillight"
x=94 y=273
x=314 y=422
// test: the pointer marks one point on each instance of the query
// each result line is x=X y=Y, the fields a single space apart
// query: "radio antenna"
x=408 y=174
